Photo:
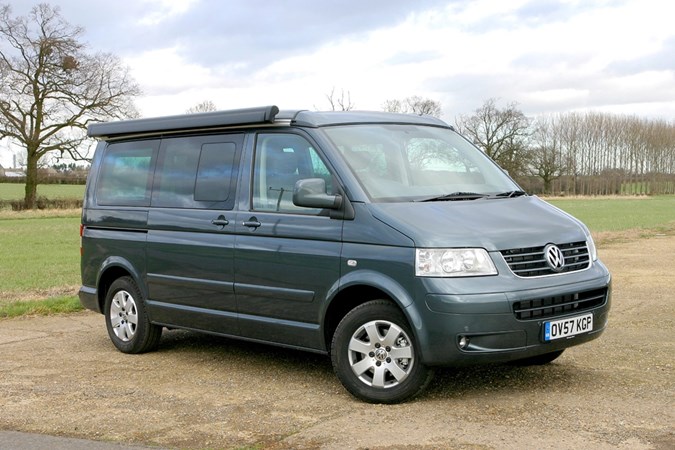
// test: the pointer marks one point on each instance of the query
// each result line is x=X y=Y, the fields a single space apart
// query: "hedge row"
x=47 y=180
x=42 y=203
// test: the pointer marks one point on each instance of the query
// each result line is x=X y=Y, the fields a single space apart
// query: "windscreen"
x=412 y=162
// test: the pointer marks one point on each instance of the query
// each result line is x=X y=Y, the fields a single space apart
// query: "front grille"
x=541 y=308
x=531 y=261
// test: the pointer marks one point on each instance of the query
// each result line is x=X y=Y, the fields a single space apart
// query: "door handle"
x=252 y=222
x=221 y=221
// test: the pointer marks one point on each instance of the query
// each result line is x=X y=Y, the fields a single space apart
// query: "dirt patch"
x=608 y=238
x=40 y=213
x=62 y=376
x=37 y=294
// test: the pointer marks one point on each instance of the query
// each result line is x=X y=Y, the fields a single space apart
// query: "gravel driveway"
x=61 y=376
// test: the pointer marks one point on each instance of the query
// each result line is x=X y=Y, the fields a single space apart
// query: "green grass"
x=54 y=305
x=38 y=252
x=15 y=191
x=619 y=213
x=39 y=261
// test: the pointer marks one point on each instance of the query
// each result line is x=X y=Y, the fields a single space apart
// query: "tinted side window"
x=216 y=164
x=280 y=161
x=125 y=177
x=197 y=172
x=176 y=173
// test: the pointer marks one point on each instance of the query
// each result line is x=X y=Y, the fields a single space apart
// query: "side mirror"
x=311 y=193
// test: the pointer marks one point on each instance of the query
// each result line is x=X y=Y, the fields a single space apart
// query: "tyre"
x=125 y=317
x=375 y=355
x=539 y=360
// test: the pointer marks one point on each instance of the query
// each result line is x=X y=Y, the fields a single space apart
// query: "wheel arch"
x=112 y=269
x=361 y=287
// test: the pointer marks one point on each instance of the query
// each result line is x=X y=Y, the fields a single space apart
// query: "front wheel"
x=128 y=325
x=375 y=356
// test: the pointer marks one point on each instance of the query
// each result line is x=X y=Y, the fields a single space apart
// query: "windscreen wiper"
x=510 y=194
x=455 y=196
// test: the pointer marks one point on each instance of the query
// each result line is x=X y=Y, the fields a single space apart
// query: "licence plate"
x=571 y=326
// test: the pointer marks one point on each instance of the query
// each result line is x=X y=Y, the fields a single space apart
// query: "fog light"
x=463 y=342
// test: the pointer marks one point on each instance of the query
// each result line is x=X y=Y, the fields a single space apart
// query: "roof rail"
x=247 y=116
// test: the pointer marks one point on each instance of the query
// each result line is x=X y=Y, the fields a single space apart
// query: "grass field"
x=39 y=259
x=621 y=213
x=39 y=250
x=42 y=252
x=15 y=191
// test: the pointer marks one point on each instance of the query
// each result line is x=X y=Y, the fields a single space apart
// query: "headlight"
x=591 y=247
x=459 y=262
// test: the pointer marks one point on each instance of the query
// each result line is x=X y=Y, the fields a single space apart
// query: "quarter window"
x=126 y=174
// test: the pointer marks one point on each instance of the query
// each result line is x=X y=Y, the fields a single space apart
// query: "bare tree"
x=501 y=133
x=392 y=106
x=424 y=106
x=51 y=88
x=547 y=160
x=340 y=103
x=413 y=105
x=205 y=106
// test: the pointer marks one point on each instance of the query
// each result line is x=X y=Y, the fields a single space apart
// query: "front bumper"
x=493 y=329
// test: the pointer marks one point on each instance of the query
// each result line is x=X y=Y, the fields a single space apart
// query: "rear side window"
x=126 y=174
x=197 y=172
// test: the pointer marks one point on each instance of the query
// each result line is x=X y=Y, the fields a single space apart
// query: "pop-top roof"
x=265 y=115
x=246 y=116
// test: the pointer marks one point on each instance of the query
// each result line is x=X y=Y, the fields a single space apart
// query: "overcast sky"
x=548 y=56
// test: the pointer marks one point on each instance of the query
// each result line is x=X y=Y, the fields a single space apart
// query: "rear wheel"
x=375 y=356
x=126 y=320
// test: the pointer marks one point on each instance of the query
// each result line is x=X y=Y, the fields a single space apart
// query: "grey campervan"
x=386 y=241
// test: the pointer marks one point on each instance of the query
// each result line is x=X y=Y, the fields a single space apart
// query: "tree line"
x=591 y=153
x=598 y=154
